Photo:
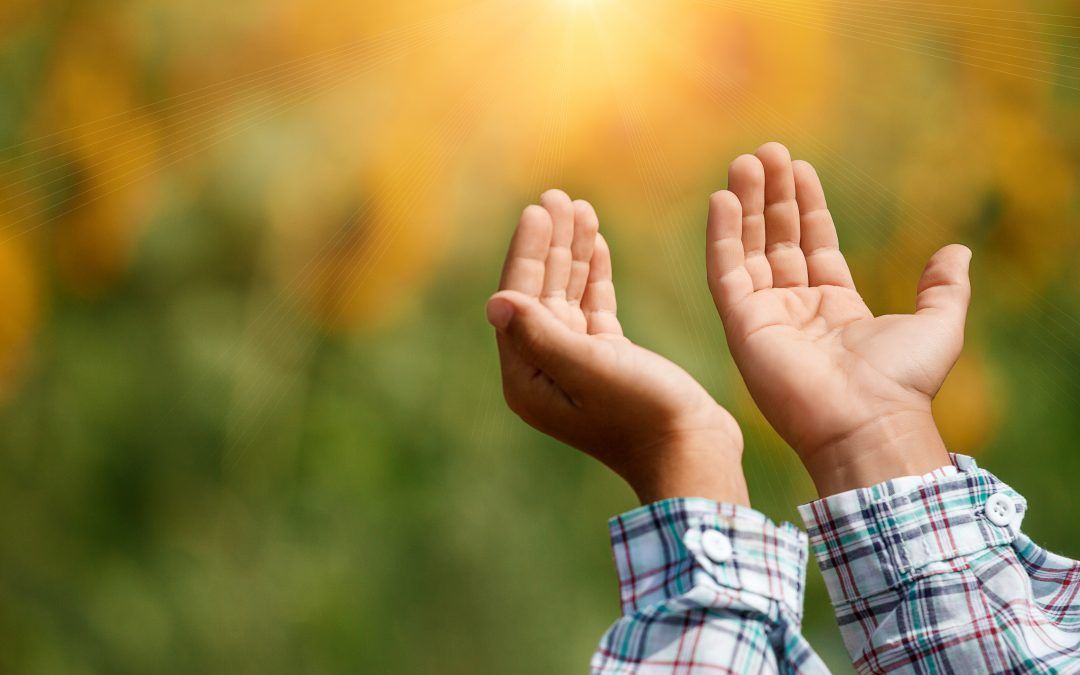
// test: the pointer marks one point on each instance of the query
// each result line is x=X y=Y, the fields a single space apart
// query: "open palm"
x=567 y=368
x=816 y=360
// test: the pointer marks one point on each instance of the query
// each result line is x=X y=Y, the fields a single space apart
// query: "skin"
x=569 y=371
x=850 y=392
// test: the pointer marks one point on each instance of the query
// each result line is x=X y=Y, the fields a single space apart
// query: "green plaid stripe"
x=924 y=580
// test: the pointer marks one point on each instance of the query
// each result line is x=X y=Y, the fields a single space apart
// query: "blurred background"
x=250 y=416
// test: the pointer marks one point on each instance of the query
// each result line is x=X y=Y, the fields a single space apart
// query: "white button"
x=716 y=546
x=1000 y=510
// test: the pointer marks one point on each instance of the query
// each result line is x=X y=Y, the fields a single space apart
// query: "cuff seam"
x=870 y=540
x=659 y=557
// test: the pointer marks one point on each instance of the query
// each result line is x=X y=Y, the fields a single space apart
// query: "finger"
x=781 y=218
x=746 y=178
x=944 y=288
x=825 y=264
x=541 y=339
x=557 y=271
x=586 y=225
x=523 y=270
x=724 y=259
x=598 y=303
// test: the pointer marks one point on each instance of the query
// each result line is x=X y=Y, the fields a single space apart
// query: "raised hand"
x=568 y=370
x=850 y=392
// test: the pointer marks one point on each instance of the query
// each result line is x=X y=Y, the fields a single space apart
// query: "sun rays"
x=348 y=139
x=245 y=247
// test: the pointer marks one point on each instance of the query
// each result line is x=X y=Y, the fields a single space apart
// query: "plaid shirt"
x=927 y=574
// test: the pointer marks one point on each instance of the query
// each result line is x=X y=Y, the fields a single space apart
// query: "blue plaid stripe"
x=686 y=613
x=923 y=580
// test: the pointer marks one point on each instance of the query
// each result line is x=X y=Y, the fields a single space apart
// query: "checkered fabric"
x=693 y=604
x=927 y=574
x=936 y=576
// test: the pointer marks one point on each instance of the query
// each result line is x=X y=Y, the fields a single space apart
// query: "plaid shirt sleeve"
x=933 y=574
x=706 y=588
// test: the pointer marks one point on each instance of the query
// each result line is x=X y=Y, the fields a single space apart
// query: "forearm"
x=900 y=444
x=700 y=464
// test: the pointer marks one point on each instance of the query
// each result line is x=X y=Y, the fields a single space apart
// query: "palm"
x=815 y=358
x=648 y=384
x=578 y=378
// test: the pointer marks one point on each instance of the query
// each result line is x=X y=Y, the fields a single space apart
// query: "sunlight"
x=601 y=41
x=582 y=4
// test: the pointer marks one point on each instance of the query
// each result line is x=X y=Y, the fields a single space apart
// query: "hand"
x=568 y=370
x=850 y=392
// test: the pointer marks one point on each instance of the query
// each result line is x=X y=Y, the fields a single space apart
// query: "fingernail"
x=499 y=313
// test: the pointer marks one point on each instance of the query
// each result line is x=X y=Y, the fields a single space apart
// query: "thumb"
x=541 y=339
x=944 y=288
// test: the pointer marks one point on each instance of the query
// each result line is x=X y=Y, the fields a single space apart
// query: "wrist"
x=699 y=464
x=890 y=446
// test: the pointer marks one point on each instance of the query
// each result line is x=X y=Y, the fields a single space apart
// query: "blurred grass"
x=252 y=419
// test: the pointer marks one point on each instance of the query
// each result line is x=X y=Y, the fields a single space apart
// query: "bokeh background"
x=250 y=418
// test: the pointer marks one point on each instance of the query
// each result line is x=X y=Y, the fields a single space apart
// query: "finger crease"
x=829 y=248
x=781 y=246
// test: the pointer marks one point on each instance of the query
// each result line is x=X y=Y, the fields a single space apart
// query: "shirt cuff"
x=872 y=539
x=665 y=549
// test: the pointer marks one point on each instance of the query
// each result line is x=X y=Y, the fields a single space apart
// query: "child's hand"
x=850 y=392
x=568 y=370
